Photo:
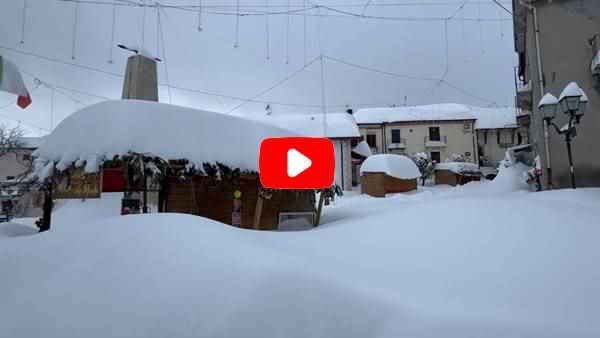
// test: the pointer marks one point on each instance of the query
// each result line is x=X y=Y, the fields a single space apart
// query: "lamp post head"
x=548 y=106
x=583 y=103
x=570 y=98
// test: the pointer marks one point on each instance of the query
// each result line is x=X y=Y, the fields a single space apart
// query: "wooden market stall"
x=456 y=173
x=388 y=173
x=192 y=165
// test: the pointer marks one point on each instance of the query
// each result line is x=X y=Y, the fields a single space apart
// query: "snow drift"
x=407 y=266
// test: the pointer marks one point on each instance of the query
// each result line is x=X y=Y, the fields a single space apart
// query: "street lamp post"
x=572 y=102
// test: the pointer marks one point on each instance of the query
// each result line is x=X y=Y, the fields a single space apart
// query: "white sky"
x=481 y=57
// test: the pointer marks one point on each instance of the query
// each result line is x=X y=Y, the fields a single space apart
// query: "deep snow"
x=484 y=260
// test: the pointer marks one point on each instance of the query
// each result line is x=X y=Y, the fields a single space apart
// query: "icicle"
x=112 y=34
x=268 y=45
x=199 y=15
x=157 y=30
x=480 y=27
x=323 y=100
x=144 y=24
x=75 y=22
x=52 y=109
x=501 y=25
x=236 y=44
x=287 y=35
x=23 y=19
x=304 y=28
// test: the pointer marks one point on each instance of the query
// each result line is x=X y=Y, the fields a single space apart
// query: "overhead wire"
x=75 y=22
x=23 y=21
x=300 y=11
x=112 y=34
x=277 y=84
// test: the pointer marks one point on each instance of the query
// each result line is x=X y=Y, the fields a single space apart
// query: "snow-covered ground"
x=484 y=260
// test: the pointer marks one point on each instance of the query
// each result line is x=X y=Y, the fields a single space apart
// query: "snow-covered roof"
x=572 y=89
x=111 y=128
x=434 y=112
x=397 y=166
x=339 y=125
x=494 y=118
x=31 y=142
x=363 y=149
x=548 y=100
x=486 y=118
x=458 y=167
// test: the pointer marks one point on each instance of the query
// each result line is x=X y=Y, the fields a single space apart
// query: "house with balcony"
x=558 y=42
x=440 y=130
x=497 y=130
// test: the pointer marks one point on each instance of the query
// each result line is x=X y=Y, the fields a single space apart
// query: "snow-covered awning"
x=114 y=128
x=336 y=125
x=11 y=81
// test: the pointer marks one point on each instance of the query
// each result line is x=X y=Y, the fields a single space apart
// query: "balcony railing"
x=398 y=145
x=441 y=142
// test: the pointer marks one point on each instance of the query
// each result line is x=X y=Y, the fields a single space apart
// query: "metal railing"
x=442 y=140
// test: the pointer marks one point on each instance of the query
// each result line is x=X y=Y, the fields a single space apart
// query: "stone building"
x=563 y=48
x=441 y=130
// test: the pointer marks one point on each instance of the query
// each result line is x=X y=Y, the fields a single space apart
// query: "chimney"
x=140 y=79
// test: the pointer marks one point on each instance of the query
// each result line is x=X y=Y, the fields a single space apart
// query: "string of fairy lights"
x=255 y=8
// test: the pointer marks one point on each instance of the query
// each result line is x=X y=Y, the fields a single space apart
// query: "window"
x=10 y=178
x=396 y=136
x=506 y=137
x=372 y=140
x=485 y=134
x=520 y=138
x=436 y=156
x=434 y=134
x=26 y=157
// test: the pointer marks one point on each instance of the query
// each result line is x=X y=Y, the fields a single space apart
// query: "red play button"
x=296 y=163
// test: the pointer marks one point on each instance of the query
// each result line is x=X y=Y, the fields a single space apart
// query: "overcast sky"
x=480 y=54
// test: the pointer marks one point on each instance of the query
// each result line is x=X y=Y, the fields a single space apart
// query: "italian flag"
x=12 y=82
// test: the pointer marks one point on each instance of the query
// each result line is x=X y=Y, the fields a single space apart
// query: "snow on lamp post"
x=572 y=102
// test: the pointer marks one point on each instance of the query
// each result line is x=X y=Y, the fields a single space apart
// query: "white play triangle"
x=296 y=163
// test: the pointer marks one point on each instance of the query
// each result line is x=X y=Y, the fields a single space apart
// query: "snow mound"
x=458 y=167
x=339 y=125
x=363 y=149
x=10 y=229
x=397 y=166
x=110 y=128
